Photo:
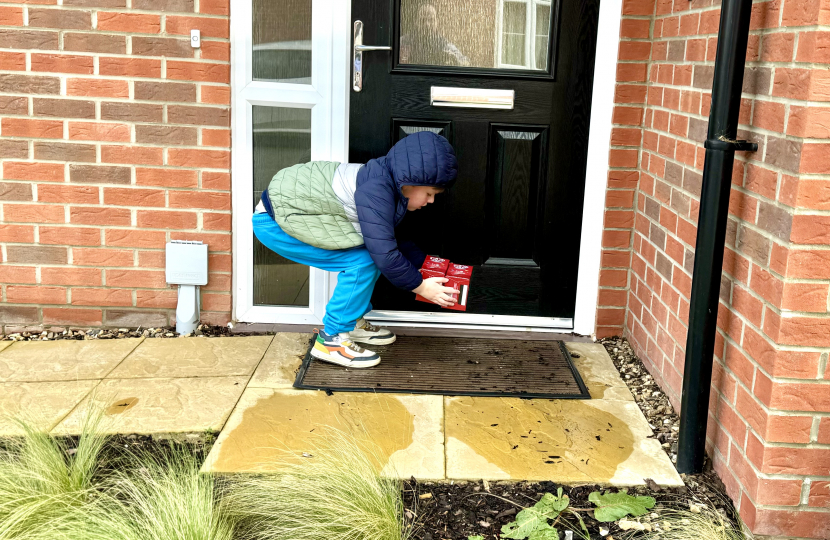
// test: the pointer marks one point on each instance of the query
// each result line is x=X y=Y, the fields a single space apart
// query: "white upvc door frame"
x=328 y=97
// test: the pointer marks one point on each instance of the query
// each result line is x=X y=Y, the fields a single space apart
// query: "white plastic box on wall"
x=186 y=263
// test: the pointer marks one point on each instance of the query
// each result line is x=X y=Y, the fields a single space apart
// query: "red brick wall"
x=114 y=138
x=770 y=410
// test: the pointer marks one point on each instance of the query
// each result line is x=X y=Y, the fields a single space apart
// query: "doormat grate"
x=455 y=367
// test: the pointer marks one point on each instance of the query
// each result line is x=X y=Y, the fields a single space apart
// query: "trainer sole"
x=345 y=362
x=374 y=341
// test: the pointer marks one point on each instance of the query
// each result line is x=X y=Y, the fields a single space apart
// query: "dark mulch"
x=119 y=449
x=456 y=511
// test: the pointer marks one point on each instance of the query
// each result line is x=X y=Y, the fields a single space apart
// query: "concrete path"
x=243 y=387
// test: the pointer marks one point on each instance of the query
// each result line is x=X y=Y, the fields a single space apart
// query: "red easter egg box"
x=459 y=270
x=459 y=279
x=435 y=263
x=458 y=276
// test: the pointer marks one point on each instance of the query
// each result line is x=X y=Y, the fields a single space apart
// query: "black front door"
x=515 y=212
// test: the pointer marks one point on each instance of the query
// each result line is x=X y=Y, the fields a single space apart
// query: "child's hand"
x=432 y=290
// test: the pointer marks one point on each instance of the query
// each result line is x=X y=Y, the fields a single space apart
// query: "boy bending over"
x=341 y=217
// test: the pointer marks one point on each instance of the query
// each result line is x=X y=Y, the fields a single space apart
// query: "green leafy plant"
x=532 y=523
x=539 y=521
x=335 y=491
x=614 y=506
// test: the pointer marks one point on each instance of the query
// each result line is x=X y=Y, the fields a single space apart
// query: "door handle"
x=357 y=55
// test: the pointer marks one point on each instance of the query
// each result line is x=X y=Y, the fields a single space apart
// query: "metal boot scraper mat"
x=455 y=367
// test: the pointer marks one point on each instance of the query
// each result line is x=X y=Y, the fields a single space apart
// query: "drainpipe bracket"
x=735 y=146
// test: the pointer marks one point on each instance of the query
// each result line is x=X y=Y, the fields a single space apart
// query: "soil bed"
x=456 y=511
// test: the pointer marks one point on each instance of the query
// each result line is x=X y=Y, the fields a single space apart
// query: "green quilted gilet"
x=306 y=207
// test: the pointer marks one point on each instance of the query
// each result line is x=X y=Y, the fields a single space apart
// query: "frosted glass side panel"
x=282 y=137
x=281 y=32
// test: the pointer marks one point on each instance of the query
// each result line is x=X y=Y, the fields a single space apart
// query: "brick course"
x=108 y=152
x=769 y=406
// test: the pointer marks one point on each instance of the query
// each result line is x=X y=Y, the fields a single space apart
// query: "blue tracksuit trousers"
x=356 y=276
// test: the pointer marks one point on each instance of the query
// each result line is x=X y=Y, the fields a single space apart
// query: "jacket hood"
x=423 y=159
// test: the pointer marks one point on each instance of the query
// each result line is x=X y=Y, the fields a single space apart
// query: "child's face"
x=420 y=196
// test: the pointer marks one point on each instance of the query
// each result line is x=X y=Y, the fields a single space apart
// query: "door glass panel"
x=541 y=35
x=502 y=34
x=514 y=34
x=282 y=40
x=282 y=137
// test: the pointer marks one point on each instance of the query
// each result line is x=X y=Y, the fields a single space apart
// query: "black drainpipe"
x=711 y=230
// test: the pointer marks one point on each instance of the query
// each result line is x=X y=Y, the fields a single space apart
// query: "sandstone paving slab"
x=41 y=404
x=63 y=360
x=272 y=426
x=279 y=366
x=4 y=344
x=567 y=441
x=159 y=406
x=599 y=372
x=194 y=357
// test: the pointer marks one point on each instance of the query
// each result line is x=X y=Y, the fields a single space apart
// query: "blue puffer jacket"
x=421 y=159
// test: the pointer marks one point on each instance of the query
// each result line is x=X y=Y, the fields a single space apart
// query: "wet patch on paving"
x=269 y=427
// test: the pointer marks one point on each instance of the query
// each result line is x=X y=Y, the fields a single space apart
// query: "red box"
x=459 y=279
x=460 y=270
x=436 y=263
x=458 y=276
x=430 y=272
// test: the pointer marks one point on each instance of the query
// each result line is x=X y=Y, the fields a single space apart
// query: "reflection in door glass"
x=506 y=34
x=282 y=137
x=281 y=31
x=514 y=34
x=542 y=32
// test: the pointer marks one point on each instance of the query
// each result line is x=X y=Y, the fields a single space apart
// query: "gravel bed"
x=53 y=334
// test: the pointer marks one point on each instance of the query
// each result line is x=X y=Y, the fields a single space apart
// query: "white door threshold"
x=470 y=321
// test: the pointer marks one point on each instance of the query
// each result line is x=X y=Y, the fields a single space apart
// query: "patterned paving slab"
x=194 y=357
x=41 y=404
x=160 y=406
x=279 y=366
x=598 y=371
x=63 y=360
x=270 y=426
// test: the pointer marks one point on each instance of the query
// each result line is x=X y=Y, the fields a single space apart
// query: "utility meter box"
x=186 y=263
